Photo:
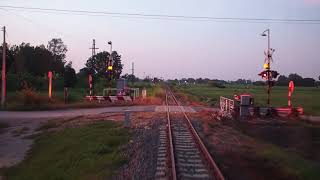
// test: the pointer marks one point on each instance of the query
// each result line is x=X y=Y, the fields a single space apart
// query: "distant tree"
x=84 y=72
x=130 y=77
x=59 y=50
x=308 y=82
x=70 y=78
x=297 y=79
x=191 y=80
x=200 y=81
x=241 y=81
x=97 y=64
x=30 y=59
x=184 y=80
x=206 y=80
x=117 y=66
x=259 y=83
x=282 y=80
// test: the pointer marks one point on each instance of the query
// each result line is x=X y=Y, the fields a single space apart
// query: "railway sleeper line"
x=181 y=153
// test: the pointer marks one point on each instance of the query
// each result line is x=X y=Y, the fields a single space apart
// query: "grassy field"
x=308 y=98
x=86 y=152
x=289 y=163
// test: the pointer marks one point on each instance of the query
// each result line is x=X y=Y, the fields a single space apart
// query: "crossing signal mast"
x=109 y=68
x=268 y=74
x=109 y=62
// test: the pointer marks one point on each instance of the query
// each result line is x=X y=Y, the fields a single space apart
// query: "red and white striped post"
x=90 y=85
x=50 y=84
x=290 y=91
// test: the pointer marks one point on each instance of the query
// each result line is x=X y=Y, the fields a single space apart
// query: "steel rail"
x=172 y=158
x=211 y=162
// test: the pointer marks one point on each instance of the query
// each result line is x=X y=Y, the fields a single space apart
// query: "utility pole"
x=90 y=78
x=93 y=47
x=110 y=67
x=268 y=74
x=132 y=73
x=268 y=59
x=269 y=88
x=3 y=92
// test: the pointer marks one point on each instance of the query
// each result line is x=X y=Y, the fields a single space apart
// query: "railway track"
x=187 y=156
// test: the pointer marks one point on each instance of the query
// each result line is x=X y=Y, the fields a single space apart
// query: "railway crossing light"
x=109 y=68
x=266 y=66
x=264 y=75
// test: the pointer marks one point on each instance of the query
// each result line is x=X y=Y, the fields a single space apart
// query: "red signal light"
x=264 y=74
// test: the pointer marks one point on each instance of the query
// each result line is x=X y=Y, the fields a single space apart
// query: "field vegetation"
x=306 y=97
x=82 y=152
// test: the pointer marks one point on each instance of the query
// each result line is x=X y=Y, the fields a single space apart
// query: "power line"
x=36 y=23
x=163 y=16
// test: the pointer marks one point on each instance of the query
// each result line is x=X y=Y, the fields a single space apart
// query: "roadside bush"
x=30 y=97
x=58 y=83
x=216 y=84
x=19 y=81
x=12 y=82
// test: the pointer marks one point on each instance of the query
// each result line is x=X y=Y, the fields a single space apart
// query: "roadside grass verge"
x=85 y=152
x=155 y=91
x=288 y=163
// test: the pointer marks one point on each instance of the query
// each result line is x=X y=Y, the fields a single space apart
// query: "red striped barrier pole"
x=290 y=91
x=90 y=85
x=289 y=99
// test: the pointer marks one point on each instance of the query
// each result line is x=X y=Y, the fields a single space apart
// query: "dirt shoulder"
x=273 y=150
x=142 y=150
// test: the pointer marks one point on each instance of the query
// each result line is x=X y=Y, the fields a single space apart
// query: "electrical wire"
x=163 y=16
x=37 y=23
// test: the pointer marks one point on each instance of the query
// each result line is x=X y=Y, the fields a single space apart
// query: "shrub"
x=216 y=84
x=30 y=97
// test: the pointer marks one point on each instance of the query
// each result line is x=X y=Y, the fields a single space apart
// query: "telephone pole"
x=110 y=68
x=90 y=78
x=3 y=89
x=93 y=47
x=132 y=73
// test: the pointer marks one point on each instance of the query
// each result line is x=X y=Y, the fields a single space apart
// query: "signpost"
x=290 y=91
x=50 y=84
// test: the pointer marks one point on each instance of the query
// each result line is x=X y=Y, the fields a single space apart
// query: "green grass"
x=155 y=91
x=306 y=97
x=87 y=152
x=289 y=163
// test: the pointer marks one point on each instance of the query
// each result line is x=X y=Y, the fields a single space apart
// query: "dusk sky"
x=177 y=48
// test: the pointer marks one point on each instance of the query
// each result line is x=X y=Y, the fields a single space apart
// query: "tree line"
x=281 y=81
x=28 y=66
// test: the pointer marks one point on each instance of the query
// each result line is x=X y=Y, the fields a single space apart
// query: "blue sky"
x=176 y=49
